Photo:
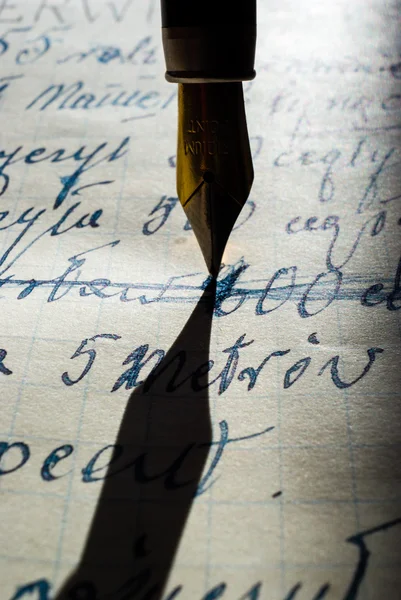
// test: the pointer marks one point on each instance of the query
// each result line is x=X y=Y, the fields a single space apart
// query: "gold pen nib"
x=214 y=162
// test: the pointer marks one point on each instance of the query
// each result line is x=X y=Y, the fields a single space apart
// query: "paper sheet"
x=261 y=458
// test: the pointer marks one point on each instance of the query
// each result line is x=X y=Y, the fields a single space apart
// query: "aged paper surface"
x=260 y=459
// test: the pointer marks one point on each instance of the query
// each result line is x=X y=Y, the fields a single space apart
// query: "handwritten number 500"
x=91 y=352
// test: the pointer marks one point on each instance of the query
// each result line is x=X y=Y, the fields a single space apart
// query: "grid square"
x=377 y=473
x=299 y=414
x=34 y=522
x=237 y=478
x=64 y=406
x=257 y=535
x=246 y=418
x=375 y=419
x=316 y=533
x=317 y=474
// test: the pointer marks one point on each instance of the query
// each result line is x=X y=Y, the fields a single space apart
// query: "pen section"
x=209 y=41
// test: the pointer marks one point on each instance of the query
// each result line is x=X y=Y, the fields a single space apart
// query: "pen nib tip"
x=212 y=213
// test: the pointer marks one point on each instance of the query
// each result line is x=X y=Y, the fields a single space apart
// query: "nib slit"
x=230 y=195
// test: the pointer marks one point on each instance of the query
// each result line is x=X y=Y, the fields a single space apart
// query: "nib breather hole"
x=208 y=177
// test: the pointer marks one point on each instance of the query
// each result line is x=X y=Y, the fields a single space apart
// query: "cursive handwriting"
x=87 y=590
x=14 y=456
x=311 y=296
x=85 y=159
x=78 y=96
x=143 y=367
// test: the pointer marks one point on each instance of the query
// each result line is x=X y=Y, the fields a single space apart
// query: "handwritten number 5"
x=91 y=352
x=4 y=44
x=38 y=46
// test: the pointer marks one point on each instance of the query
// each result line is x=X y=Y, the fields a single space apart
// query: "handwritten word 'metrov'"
x=146 y=367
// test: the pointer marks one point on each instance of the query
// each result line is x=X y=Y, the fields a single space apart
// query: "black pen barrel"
x=209 y=41
x=195 y=13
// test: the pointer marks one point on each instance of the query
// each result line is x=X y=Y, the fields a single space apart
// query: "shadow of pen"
x=151 y=481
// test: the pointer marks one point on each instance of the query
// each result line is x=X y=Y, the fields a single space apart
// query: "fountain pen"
x=209 y=49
